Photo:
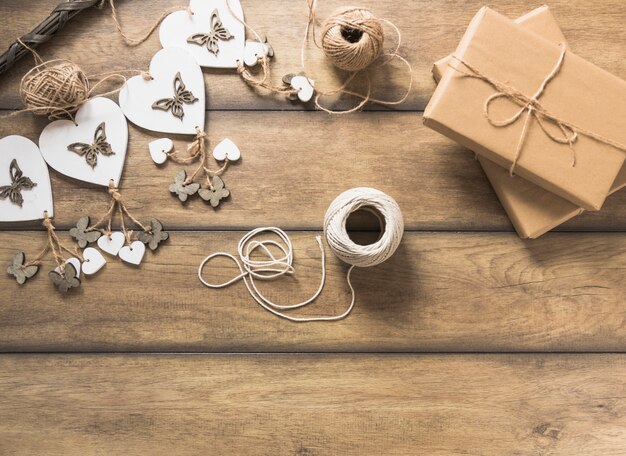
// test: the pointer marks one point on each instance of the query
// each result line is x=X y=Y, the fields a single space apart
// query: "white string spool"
x=272 y=267
x=375 y=201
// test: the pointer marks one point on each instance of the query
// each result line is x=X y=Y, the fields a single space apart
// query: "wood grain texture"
x=430 y=30
x=295 y=163
x=313 y=405
x=440 y=292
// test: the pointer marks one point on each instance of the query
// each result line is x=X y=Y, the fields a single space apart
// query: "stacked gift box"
x=547 y=126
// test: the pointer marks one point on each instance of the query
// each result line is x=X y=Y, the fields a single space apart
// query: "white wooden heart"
x=59 y=135
x=94 y=261
x=304 y=86
x=133 y=253
x=159 y=149
x=254 y=50
x=180 y=26
x=138 y=94
x=112 y=244
x=226 y=149
x=36 y=200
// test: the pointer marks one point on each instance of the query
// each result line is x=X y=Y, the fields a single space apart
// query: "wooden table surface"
x=468 y=341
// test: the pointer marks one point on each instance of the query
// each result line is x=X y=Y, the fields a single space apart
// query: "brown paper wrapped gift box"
x=581 y=94
x=532 y=210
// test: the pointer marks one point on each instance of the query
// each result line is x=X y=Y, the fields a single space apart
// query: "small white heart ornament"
x=188 y=31
x=111 y=244
x=304 y=86
x=133 y=253
x=159 y=149
x=31 y=164
x=255 y=49
x=138 y=94
x=226 y=149
x=74 y=262
x=59 y=135
x=94 y=261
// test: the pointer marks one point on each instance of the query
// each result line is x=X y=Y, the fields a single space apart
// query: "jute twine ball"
x=352 y=38
x=54 y=89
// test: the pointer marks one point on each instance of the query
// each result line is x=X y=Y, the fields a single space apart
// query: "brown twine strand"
x=117 y=205
x=197 y=151
x=57 y=247
x=140 y=39
x=531 y=108
x=246 y=74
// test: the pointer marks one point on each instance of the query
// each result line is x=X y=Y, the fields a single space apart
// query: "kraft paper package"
x=532 y=210
x=540 y=21
x=576 y=113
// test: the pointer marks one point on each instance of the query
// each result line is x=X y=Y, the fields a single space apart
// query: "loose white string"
x=272 y=267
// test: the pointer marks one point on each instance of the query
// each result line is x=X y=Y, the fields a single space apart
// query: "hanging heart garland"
x=91 y=149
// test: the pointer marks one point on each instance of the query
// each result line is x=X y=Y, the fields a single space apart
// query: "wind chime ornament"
x=128 y=245
x=203 y=181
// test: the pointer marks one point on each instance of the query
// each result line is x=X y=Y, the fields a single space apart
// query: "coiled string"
x=272 y=267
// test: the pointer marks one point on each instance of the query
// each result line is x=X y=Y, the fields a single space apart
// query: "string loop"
x=272 y=267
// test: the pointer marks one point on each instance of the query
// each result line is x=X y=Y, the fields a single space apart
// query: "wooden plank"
x=440 y=292
x=430 y=30
x=312 y=405
x=299 y=169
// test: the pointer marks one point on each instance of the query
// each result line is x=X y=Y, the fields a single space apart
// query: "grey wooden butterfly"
x=82 y=236
x=91 y=151
x=19 y=182
x=21 y=272
x=175 y=104
x=182 y=189
x=210 y=40
x=66 y=280
x=216 y=194
x=155 y=236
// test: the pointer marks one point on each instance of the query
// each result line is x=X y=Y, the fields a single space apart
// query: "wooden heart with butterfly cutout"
x=173 y=100
x=212 y=34
x=25 y=191
x=92 y=150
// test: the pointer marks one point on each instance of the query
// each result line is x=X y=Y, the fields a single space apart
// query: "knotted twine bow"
x=530 y=109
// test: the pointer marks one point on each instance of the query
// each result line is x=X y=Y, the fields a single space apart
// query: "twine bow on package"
x=530 y=107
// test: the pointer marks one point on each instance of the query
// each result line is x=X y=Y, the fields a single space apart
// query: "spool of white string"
x=272 y=266
x=375 y=201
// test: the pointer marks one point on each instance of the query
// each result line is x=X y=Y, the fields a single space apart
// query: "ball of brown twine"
x=54 y=89
x=352 y=38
